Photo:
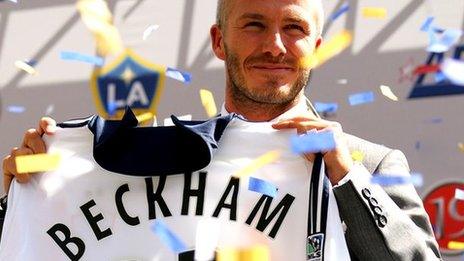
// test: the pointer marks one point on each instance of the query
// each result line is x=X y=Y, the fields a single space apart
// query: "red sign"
x=447 y=215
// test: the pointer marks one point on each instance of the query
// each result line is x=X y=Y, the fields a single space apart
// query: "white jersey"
x=81 y=211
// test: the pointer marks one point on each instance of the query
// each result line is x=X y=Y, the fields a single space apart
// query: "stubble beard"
x=258 y=99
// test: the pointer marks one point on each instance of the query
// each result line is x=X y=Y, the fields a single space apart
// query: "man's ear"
x=217 y=42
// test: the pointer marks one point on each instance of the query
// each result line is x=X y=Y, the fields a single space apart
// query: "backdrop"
x=384 y=52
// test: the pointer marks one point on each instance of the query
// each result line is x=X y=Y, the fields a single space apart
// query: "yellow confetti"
x=374 y=12
x=328 y=50
x=207 y=99
x=387 y=92
x=258 y=163
x=97 y=17
x=145 y=117
x=456 y=245
x=37 y=163
x=257 y=253
x=357 y=156
x=461 y=146
x=25 y=67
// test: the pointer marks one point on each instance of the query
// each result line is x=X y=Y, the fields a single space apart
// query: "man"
x=262 y=43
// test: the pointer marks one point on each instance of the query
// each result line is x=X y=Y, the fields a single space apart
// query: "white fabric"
x=56 y=197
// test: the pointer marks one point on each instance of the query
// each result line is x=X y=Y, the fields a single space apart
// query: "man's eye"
x=295 y=27
x=255 y=24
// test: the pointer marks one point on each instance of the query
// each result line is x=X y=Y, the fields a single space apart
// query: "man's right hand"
x=32 y=144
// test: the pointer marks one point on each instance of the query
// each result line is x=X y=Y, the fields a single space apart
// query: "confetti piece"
x=168 y=237
x=461 y=146
x=357 y=156
x=343 y=9
x=342 y=81
x=74 y=56
x=257 y=253
x=443 y=43
x=361 y=98
x=150 y=29
x=456 y=245
x=109 y=41
x=262 y=186
x=184 y=77
x=258 y=163
x=328 y=50
x=168 y=121
x=112 y=108
x=313 y=142
x=427 y=23
x=415 y=178
x=424 y=69
x=440 y=77
x=418 y=145
x=459 y=194
x=50 y=109
x=205 y=246
x=144 y=117
x=326 y=107
x=387 y=92
x=37 y=163
x=453 y=70
x=435 y=120
x=23 y=65
x=374 y=12
x=207 y=99
x=16 y=109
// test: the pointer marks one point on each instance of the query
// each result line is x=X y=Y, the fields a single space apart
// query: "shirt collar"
x=299 y=109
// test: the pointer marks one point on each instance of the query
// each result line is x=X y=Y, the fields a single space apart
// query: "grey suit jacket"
x=384 y=223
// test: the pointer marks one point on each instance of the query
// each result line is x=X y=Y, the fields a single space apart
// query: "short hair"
x=223 y=9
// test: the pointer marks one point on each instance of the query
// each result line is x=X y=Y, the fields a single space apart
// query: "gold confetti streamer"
x=461 y=146
x=258 y=163
x=257 y=253
x=374 y=12
x=25 y=67
x=37 y=163
x=207 y=99
x=147 y=116
x=456 y=245
x=357 y=156
x=328 y=50
x=387 y=92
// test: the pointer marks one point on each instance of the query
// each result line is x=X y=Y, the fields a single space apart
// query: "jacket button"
x=382 y=221
x=366 y=193
x=373 y=202
x=377 y=211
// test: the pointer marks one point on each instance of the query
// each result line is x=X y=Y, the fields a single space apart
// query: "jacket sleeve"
x=385 y=223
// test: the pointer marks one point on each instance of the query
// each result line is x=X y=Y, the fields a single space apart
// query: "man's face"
x=264 y=41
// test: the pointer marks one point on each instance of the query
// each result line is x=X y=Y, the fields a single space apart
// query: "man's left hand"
x=338 y=161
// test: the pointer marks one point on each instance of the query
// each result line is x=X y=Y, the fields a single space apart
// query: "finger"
x=12 y=168
x=47 y=125
x=7 y=175
x=33 y=140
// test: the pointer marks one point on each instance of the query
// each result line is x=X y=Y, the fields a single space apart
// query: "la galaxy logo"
x=442 y=86
x=315 y=247
x=128 y=81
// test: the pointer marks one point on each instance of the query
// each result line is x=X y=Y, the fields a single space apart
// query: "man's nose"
x=274 y=44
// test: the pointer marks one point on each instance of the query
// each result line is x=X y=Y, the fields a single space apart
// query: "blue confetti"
x=415 y=178
x=447 y=39
x=112 y=107
x=262 y=186
x=418 y=145
x=326 y=107
x=427 y=23
x=175 y=74
x=74 y=56
x=168 y=237
x=313 y=142
x=343 y=9
x=361 y=98
x=16 y=109
x=440 y=77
